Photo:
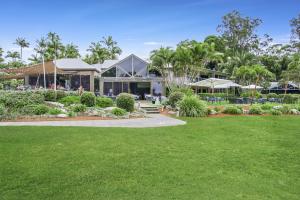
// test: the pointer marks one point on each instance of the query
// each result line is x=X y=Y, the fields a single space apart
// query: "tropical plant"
x=233 y=110
x=175 y=97
x=78 y=108
x=111 y=46
x=14 y=55
x=71 y=51
x=191 y=106
x=255 y=110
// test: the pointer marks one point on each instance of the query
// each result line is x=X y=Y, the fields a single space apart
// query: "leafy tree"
x=22 y=43
x=295 y=39
x=54 y=48
x=294 y=68
x=239 y=33
x=111 y=46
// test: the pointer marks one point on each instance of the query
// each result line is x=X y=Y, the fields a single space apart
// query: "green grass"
x=245 y=157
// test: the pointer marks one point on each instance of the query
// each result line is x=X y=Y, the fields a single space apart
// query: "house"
x=280 y=88
x=131 y=75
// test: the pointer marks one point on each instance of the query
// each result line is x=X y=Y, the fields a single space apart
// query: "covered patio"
x=62 y=74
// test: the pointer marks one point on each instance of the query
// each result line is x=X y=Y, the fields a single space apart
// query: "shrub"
x=125 y=101
x=69 y=100
x=51 y=96
x=185 y=90
x=217 y=109
x=233 y=110
x=71 y=114
x=17 y=100
x=272 y=95
x=285 y=109
x=175 y=97
x=34 y=109
x=104 y=102
x=267 y=106
x=275 y=112
x=191 y=106
x=290 y=98
x=54 y=111
x=118 y=112
x=88 y=99
x=255 y=110
x=2 y=110
x=78 y=108
x=250 y=93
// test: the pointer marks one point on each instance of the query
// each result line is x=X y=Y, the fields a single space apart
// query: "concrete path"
x=155 y=120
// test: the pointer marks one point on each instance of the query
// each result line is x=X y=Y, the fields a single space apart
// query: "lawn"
x=245 y=157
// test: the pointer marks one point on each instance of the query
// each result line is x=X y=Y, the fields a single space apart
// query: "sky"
x=138 y=26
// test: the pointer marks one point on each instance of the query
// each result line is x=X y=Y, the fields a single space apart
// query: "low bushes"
x=54 y=111
x=233 y=110
x=191 y=106
x=78 y=108
x=17 y=100
x=255 y=110
x=275 y=112
x=272 y=95
x=185 y=90
x=2 y=110
x=34 y=109
x=69 y=100
x=267 y=106
x=118 y=112
x=174 y=98
x=88 y=99
x=125 y=101
x=290 y=98
x=104 y=102
x=51 y=95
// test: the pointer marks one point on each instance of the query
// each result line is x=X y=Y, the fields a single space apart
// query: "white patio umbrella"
x=211 y=83
x=252 y=87
x=227 y=85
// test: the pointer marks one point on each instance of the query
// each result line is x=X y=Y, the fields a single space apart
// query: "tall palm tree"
x=112 y=47
x=71 y=51
x=162 y=59
x=14 y=55
x=98 y=53
x=22 y=43
x=41 y=48
x=54 y=46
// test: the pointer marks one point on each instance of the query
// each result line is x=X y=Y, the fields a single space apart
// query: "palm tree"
x=112 y=47
x=162 y=59
x=14 y=55
x=54 y=46
x=71 y=51
x=1 y=54
x=35 y=59
x=41 y=48
x=22 y=43
x=98 y=53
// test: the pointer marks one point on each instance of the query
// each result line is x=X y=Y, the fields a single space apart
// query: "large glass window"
x=110 y=73
x=117 y=88
x=126 y=65
x=107 y=88
x=139 y=68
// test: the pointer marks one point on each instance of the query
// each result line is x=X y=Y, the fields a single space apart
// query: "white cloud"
x=153 y=43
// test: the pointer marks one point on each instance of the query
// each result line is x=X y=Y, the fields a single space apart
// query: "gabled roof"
x=106 y=64
x=277 y=85
x=73 y=64
x=113 y=63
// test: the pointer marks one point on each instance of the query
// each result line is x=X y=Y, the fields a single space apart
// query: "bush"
x=255 y=110
x=2 y=110
x=54 y=111
x=78 y=108
x=250 y=93
x=191 y=106
x=17 y=100
x=285 y=109
x=51 y=96
x=217 y=109
x=272 y=95
x=71 y=114
x=34 y=109
x=118 y=112
x=69 y=100
x=185 y=90
x=275 y=112
x=174 y=98
x=104 y=102
x=267 y=106
x=233 y=110
x=125 y=101
x=290 y=98
x=88 y=99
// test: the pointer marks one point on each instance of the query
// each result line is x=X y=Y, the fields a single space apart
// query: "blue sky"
x=139 y=26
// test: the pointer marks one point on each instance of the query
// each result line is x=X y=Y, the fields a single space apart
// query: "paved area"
x=155 y=120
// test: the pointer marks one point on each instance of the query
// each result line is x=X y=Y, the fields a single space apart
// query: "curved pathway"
x=155 y=120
